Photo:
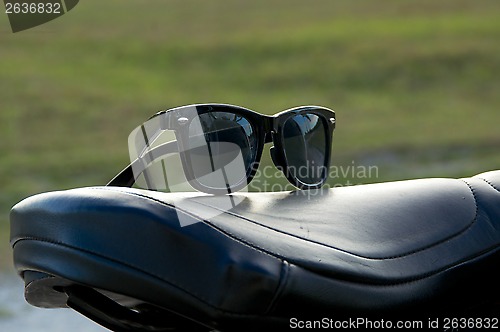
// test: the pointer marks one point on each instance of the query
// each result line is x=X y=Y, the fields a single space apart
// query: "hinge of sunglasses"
x=332 y=120
x=171 y=121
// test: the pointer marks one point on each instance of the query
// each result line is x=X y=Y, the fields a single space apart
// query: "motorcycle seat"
x=395 y=248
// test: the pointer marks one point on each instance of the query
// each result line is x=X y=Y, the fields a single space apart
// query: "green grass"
x=414 y=83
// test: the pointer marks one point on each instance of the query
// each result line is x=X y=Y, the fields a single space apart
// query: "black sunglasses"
x=220 y=146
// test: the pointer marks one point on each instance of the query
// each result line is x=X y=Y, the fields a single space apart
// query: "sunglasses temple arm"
x=126 y=177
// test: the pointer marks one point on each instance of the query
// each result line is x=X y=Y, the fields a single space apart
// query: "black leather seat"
x=428 y=246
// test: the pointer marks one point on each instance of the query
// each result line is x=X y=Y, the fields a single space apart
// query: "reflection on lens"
x=222 y=148
x=304 y=139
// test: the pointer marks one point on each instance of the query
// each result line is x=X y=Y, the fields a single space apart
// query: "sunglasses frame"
x=266 y=128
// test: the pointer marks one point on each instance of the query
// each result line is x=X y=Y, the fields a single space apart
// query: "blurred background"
x=415 y=84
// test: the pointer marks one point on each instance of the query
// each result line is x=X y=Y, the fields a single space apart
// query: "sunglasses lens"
x=305 y=145
x=222 y=149
x=204 y=147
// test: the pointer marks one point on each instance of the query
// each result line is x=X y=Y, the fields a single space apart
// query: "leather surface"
x=408 y=245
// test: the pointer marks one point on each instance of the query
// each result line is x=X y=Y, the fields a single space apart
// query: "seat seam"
x=230 y=235
x=488 y=182
x=126 y=264
x=458 y=233
x=207 y=222
x=281 y=257
x=425 y=275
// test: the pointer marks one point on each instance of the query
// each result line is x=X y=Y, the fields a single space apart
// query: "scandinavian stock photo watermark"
x=363 y=323
x=271 y=178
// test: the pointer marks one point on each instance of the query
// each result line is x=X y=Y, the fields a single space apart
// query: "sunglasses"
x=217 y=148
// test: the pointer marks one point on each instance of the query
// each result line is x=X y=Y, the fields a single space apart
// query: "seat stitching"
x=433 y=273
x=277 y=255
x=176 y=285
x=469 y=225
x=489 y=183
x=232 y=236
x=286 y=274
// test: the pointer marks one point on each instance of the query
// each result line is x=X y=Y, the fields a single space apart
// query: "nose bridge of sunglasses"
x=268 y=137
x=267 y=123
